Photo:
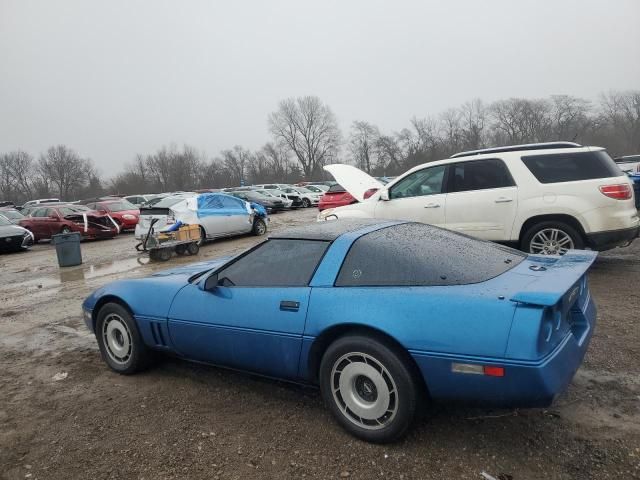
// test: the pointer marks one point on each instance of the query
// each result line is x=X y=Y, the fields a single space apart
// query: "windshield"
x=167 y=202
x=303 y=190
x=120 y=206
x=76 y=209
x=315 y=189
x=12 y=214
x=3 y=221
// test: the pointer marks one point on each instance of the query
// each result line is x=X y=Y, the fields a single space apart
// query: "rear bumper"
x=524 y=384
x=612 y=238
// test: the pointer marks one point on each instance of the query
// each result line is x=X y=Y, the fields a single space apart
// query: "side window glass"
x=428 y=181
x=40 y=212
x=275 y=263
x=479 y=175
x=231 y=203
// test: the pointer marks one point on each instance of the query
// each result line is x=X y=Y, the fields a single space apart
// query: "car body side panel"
x=241 y=327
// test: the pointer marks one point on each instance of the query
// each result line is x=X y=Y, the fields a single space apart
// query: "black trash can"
x=67 y=249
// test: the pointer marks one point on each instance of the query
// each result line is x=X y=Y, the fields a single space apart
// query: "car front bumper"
x=612 y=238
x=525 y=384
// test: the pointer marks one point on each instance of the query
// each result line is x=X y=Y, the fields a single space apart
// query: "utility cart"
x=184 y=240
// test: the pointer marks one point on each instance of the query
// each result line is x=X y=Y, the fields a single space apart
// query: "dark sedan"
x=13 y=238
x=271 y=203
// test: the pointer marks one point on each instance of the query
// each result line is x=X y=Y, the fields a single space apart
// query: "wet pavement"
x=181 y=420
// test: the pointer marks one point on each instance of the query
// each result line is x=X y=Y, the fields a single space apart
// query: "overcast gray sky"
x=115 y=78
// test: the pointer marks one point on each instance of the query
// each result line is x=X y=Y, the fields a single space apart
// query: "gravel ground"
x=182 y=420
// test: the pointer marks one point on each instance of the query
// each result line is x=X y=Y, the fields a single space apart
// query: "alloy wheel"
x=551 y=241
x=117 y=339
x=364 y=390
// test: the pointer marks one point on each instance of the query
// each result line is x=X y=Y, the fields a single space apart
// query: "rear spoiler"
x=565 y=271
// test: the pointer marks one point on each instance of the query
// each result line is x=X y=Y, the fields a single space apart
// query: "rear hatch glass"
x=571 y=166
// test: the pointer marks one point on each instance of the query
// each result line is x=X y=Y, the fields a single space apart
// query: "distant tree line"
x=305 y=137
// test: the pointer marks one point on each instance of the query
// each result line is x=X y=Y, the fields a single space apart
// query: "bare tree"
x=473 y=118
x=65 y=170
x=236 y=162
x=16 y=174
x=362 y=145
x=622 y=110
x=309 y=130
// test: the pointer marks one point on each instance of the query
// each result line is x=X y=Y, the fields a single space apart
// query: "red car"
x=49 y=220
x=125 y=213
x=337 y=196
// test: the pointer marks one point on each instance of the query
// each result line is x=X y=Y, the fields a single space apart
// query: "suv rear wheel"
x=551 y=238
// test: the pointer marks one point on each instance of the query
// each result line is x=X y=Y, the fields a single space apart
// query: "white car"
x=321 y=189
x=308 y=197
x=541 y=198
x=274 y=194
x=218 y=215
x=629 y=163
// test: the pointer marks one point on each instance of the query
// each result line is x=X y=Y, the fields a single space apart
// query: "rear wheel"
x=193 y=249
x=203 y=236
x=65 y=230
x=181 y=249
x=369 y=388
x=551 y=238
x=259 y=227
x=119 y=340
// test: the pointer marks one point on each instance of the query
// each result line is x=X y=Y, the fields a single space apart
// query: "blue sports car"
x=382 y=315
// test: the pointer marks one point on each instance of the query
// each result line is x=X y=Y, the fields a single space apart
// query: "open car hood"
x=353 y=180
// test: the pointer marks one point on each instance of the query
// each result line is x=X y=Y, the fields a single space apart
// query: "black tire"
x=203 y=236
x=193 y=249
x=181 y=249
x=259 y=227
x=65 y=230
x=565 y=229
x=138 y=356
x=404 y=402
x=306 y=203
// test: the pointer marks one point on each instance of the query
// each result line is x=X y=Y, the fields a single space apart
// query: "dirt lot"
x=181 y=420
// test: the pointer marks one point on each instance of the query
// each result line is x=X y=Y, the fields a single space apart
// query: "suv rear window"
x=423 y=255
x=336 y=188
x=569 y=167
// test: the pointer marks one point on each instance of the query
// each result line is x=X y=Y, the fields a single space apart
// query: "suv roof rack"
x=516 y=148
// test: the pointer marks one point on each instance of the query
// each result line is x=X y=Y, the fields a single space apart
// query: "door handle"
x=432 y=205
x=289 y=305
x=504 y=200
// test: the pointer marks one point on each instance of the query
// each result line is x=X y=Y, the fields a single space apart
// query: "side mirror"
x=384 y=195
x=211 y=282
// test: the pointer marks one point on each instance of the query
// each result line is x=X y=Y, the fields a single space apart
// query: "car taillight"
x=621 y=191
x=370 y=192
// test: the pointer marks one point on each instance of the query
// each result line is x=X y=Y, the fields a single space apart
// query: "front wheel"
x=65 y=230
x=259 y=227
x=119 y=340
x=369 y=388
x=306 y=203
x=551 y=238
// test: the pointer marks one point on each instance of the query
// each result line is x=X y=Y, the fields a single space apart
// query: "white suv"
x=541 y=198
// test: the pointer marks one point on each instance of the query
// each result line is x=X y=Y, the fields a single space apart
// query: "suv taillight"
x=621 y=191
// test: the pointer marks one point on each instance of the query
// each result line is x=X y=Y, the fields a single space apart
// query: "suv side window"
x=479 y=175
x=569 y=167
x=40 y=212
x=275 y=263
x=428 y=181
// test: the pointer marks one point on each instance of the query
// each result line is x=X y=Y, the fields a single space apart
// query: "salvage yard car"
x=541 y=198
x=45 y=221
x=218 y=215
x=382 y=315
x=124 y=213
x=13 y=238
